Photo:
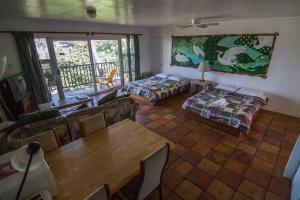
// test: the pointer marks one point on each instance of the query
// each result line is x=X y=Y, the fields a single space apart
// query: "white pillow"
x=162 y=75
x=252 y=92
x=175 y=78
x=229 y=88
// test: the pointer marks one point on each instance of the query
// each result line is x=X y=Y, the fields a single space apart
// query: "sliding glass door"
x=74 y=66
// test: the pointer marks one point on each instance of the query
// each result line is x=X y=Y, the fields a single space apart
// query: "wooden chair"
x=47 y=140
x=150 y=177
x=108 y=80
x=92 y=124
x=101 y=193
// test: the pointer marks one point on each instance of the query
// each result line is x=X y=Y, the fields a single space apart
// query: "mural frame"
x=264 y=75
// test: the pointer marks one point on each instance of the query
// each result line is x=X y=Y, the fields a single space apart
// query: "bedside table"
x=198 y=86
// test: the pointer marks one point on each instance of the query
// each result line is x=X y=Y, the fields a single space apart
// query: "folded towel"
x=220 y=103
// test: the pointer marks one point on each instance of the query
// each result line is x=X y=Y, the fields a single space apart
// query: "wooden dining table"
x=111 y=156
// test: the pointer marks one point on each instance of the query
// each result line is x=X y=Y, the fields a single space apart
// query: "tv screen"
x=18 y=86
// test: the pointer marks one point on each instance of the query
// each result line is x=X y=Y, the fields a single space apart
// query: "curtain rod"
x=87 y=33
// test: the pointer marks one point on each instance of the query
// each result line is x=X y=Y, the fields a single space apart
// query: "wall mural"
x=248 y=54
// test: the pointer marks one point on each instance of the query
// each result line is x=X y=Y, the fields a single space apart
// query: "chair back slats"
x=92 y=124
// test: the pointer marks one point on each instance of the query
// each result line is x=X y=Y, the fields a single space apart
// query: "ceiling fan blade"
x=206 y=25
x=185 y=26
x=211 y=24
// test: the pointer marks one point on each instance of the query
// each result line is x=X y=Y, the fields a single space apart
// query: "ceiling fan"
x=197 y=22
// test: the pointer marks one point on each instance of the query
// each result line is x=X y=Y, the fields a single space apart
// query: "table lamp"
x=26 y=159
x=203 y=67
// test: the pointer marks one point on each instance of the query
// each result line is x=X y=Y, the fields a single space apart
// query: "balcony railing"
x=78 y=76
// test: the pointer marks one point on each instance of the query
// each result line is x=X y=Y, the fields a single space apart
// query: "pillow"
x=161 y=75
x=228 y=88
x=107 y=97
x=175 y=78
x=252 y=92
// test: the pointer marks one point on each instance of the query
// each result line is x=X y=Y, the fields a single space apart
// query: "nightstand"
x=198 y=86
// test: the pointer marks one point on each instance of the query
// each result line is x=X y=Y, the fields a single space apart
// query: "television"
x=18 y=86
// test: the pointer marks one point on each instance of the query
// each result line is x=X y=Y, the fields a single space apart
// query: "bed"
x=156 y=88
x=234 y=117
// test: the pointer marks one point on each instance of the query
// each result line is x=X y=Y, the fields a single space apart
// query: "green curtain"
x=133 y=49
x=129 y=56
x=137 y=57
x=32 y=66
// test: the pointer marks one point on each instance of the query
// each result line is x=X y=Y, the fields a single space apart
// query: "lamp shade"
x=204 y=67
x=20 y=157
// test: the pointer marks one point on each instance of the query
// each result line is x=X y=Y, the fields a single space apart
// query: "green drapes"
x=129 y=56
x=133 y=50
x=137 y=57
x=31 y=66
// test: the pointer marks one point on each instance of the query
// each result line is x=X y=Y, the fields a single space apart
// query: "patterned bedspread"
x=155 y=88
x=238 y=112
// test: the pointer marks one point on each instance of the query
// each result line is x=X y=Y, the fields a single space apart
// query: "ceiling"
x=148 y=12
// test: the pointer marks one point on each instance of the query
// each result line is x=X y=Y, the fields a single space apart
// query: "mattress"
x=238 y=111
x=156 y=88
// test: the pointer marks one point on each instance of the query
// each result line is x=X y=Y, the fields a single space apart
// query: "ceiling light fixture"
x=90 y=9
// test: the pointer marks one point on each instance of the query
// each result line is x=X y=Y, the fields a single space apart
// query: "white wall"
x=283 y=82
x=8 y=47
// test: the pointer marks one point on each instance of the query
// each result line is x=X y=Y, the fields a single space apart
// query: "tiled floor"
x=208 y=164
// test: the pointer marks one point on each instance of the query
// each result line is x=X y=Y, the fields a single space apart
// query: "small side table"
x=198 y=86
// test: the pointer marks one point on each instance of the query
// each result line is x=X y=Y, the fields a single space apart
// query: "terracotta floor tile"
x=281 y=162
x=242 y=156
x=258 y=177
x=253 y=162
x=252 y=190
x=153 y=116
x=269 y=157
x=272 y=196
x=272 y=140
x=187 y=142
x=200 y=178
x=187 y=155
x=207 y=196
x=269 y=148
x=240 y=196
x=246 y=148
x=217 y=157
x=262 y=165
x=202 y=148
x=220 y=190
x=179 y=132
x=181 y=167
x=280 y=186
x=195 y=135
x=231 y=141
x=229 y=177
x=278 y=172
x=169 y=116
x=274 y=133
x=223 y=149
x=236 y=166
x=172 y=178
x=153 y=125
x=209 y=166
x=188 y=190
x=173 y=196
x=251 y=141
